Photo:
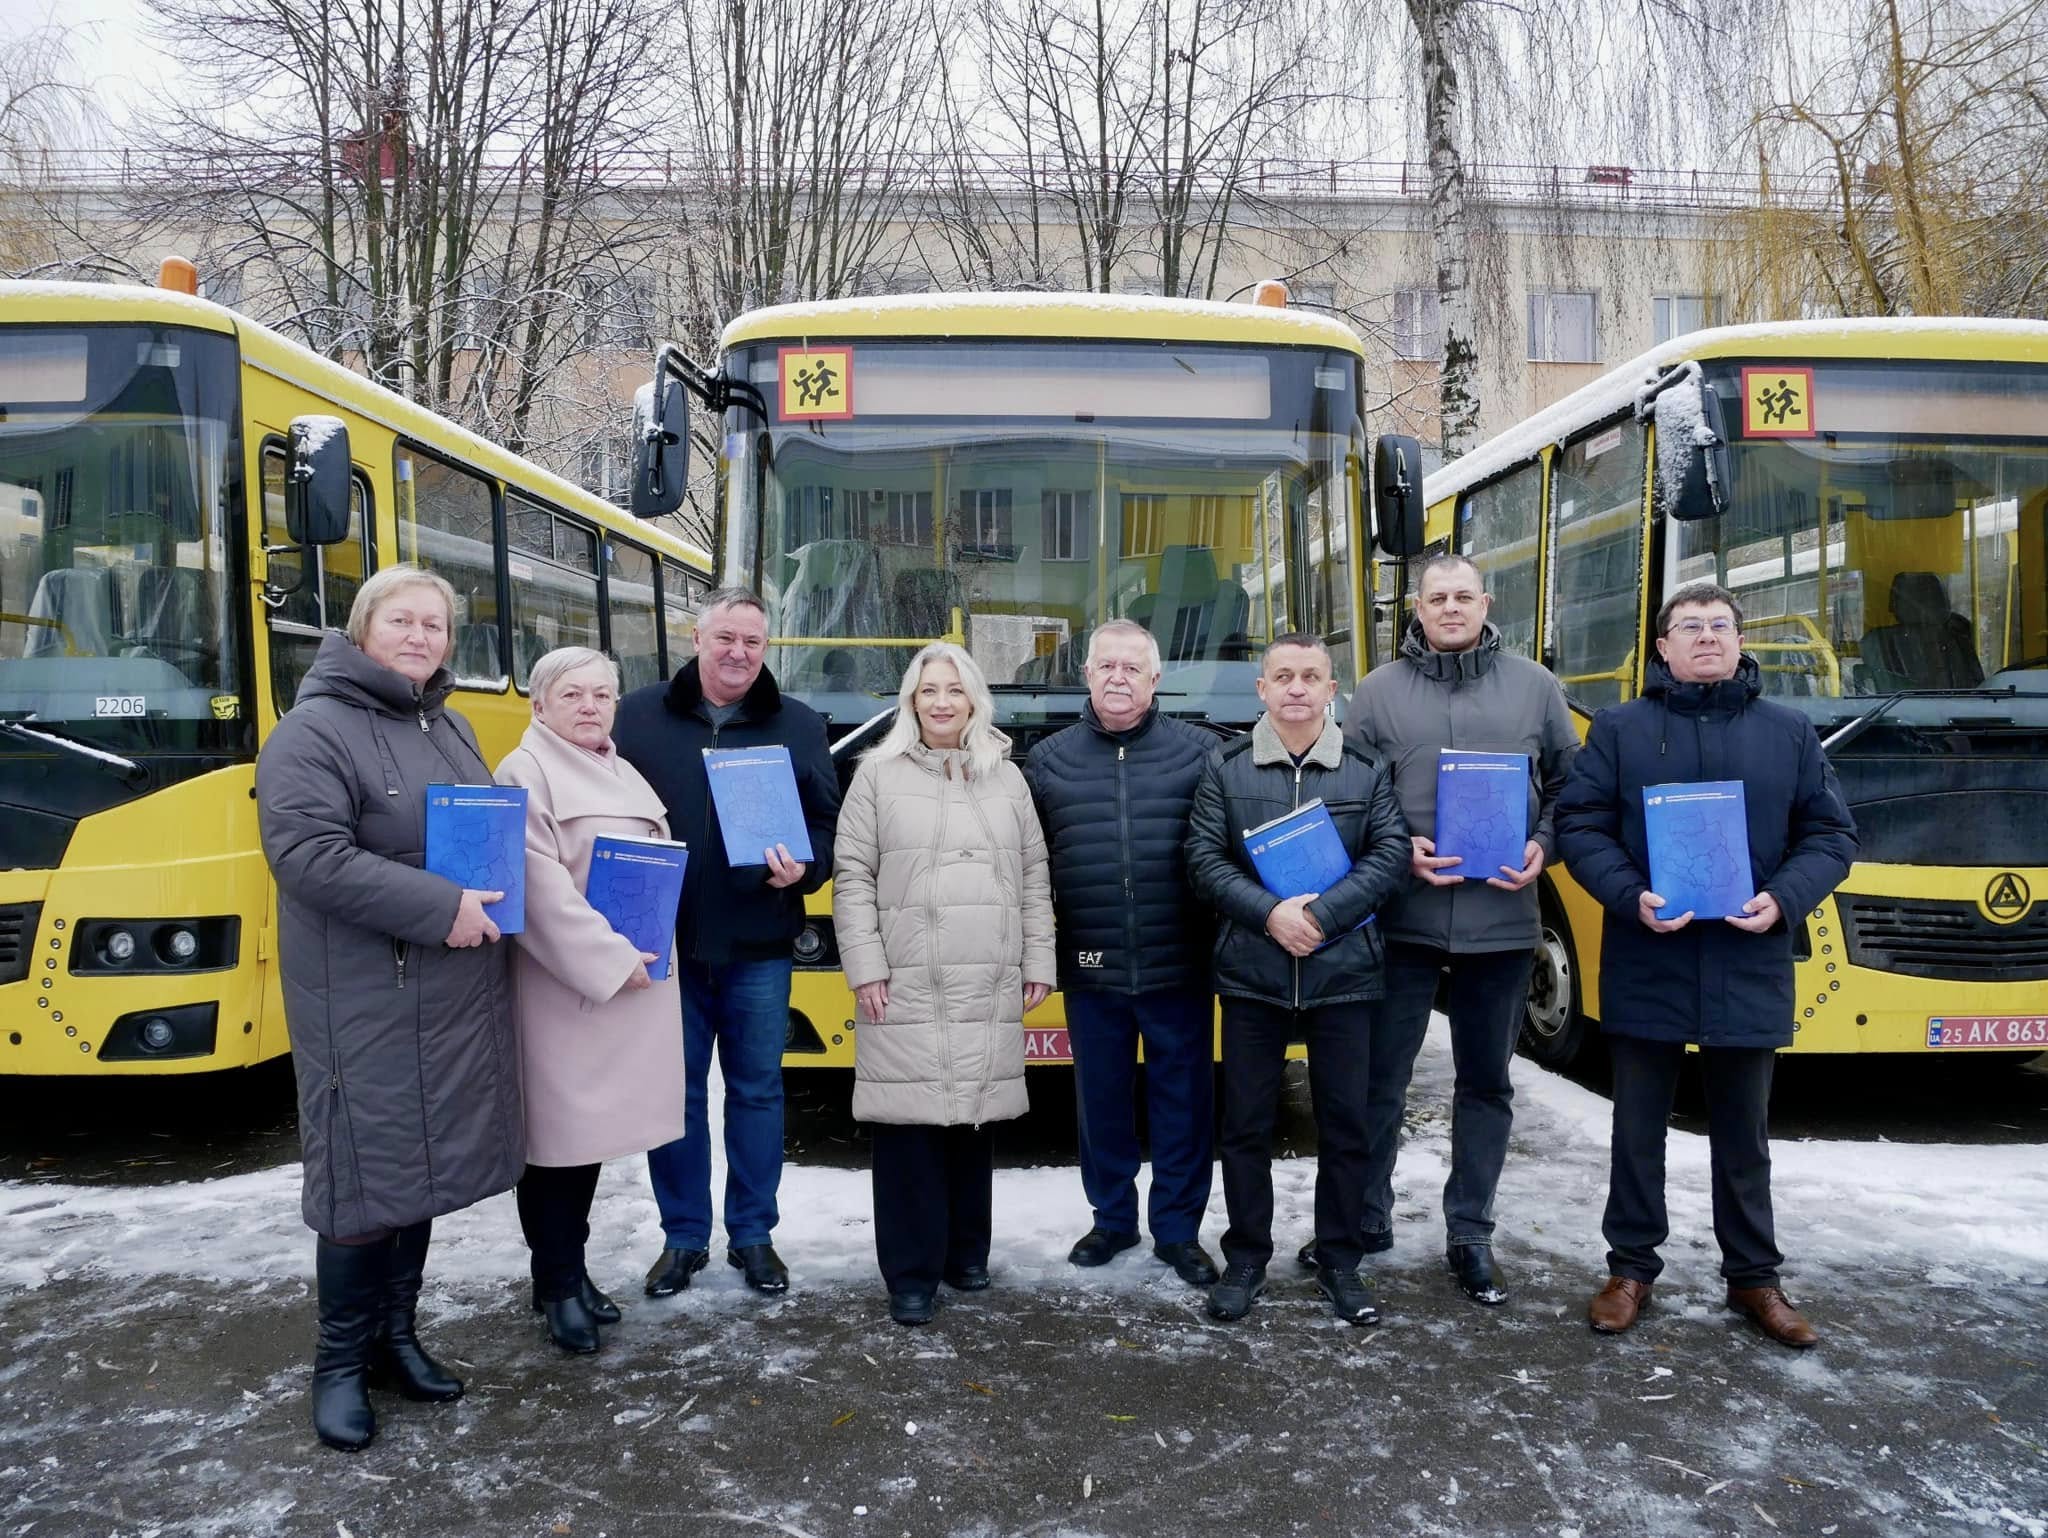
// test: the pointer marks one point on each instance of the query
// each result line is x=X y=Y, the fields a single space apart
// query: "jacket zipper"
x=398 y=958
x=931 y=893
x=1123 y=829
x=1296 y=960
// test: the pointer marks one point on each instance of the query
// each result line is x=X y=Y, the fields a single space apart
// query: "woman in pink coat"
x=601 y=1044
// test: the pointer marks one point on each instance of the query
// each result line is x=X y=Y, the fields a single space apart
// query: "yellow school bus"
x=155 y=619
x=1010 y=471
x=1873 y=492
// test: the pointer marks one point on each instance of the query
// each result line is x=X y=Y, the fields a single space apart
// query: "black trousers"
x=1738 y=1087
x=554 y=1214
x=1255 y=1038
x=934 y=1191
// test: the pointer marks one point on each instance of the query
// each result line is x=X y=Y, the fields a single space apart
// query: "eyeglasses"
x=1692 y=629
x=1121 y=669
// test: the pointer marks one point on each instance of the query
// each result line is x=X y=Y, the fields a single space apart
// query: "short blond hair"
x=387 y=583
x=558 y=664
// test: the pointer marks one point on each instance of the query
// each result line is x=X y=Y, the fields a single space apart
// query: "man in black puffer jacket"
x=1669 y=979
x=1310 y=966
x=1113 y=793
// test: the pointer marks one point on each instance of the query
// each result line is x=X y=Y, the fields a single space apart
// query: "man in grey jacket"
x=1453 y=687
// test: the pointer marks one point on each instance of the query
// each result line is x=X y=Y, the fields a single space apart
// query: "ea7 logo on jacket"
x=1088 y=958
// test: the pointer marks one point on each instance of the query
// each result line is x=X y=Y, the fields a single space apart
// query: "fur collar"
x=1267 y=748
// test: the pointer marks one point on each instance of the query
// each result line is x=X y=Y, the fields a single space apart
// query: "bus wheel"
x=1553 y=1029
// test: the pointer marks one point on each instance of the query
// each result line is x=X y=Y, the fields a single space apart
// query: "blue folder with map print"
x=1699 y=848
x=1482 y=811
x=754 y=791
x=1299 y=852
x=636 y=885
x=476 y=837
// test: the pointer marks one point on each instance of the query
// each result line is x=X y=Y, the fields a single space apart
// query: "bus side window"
x=1500 y=527
x=1596 y=499
x=553 y=563
x=322 y=601
x=679 y=596
x=446 y=524
x=636 y=629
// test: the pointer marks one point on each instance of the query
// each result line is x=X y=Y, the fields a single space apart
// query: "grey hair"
x=389 y=580
x=731 y=598
x=556 y=665
x=984 y=746
x=1125 y=627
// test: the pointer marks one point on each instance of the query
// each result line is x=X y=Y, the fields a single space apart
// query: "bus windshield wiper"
x=1835 y=741
x=31 y=730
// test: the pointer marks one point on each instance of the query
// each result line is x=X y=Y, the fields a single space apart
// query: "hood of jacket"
x=1268 y=749
x=1693 y=699
x=343 y=671
x=1450 y=667
x=686 y=693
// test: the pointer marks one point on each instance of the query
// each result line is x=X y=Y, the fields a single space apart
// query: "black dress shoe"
x=570 y=1325
x=1233 y=1296
x=672 y=1271
x=1472 y=1265
x=1349 y=1294
x=968 y=1278
x=913 y=1306
x=602 y=1308
x=764 y=1268
x=1190 y=1262
x=1098 y=1247
x=1377 y=1242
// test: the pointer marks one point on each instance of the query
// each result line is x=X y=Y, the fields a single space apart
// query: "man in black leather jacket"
x=1310 y=966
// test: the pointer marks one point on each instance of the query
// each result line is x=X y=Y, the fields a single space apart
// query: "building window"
x=985 y=519
x=619 y=311
x=1144 y=524
x=1561 y=327
x=1066 y=523
x=906 y=518
x=1675 y=314
x=1418 y=325
x=1313 y=296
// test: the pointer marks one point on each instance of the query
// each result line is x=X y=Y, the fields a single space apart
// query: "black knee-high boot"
x=350 y=1282
x=399 y=1360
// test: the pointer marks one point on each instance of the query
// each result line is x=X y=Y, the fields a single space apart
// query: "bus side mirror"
x=1397 y=494
x=661 y=446
x=1695 y=466
x=316 y=482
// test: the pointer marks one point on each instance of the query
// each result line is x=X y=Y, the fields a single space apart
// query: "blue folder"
x=1482 y=811
x=1698 y=838
x=754 y=792
x=636 y=885
x=476 y=837
x=1300 y=852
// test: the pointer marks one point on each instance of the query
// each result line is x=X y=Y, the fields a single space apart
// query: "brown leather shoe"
x=1615 y=1306
x=1774 y=1315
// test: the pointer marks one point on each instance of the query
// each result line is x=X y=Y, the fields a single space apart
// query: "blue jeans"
x=741 y=1007
x=1178 y=1027
x=1488 y=992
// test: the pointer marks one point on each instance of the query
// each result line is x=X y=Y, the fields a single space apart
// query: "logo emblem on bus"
x=2007 y=898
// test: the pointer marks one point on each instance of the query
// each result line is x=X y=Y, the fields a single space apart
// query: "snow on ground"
x=1939 y=1210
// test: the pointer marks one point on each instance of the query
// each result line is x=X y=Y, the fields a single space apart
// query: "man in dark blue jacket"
x=1113 y=792
x=733 y=932
x=1669 y=979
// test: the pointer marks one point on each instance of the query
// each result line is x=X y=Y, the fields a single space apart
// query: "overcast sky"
x=115 y=56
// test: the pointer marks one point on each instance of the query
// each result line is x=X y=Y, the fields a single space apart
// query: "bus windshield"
x=1903 y=546
x=116 y=447
x=1018 y=494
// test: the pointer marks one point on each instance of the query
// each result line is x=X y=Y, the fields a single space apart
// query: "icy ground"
x=153 y=1345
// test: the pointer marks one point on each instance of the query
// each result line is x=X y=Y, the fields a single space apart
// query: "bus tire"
x=1554 y=1027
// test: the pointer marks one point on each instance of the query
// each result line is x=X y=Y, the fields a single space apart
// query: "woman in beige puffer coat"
x=942 y=904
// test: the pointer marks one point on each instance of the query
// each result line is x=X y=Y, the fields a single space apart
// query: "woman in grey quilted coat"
x=942 y=903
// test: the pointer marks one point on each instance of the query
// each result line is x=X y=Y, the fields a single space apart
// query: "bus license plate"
x=1988 y=1031
x=1047 y=1047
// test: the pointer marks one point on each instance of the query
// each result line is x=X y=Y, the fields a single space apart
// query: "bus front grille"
x=17 y=939
x=1948 y=940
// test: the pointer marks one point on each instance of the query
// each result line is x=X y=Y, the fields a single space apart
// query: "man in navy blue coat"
x=1668 y=979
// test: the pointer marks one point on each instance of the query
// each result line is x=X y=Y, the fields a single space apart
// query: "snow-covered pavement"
x=153 y=1373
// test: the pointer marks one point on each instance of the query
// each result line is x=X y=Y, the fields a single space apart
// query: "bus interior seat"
x=174 y=606
x=476 y=652
x=1927 y=646
x=527 y=649
x=1194 y=610
x=82 y=605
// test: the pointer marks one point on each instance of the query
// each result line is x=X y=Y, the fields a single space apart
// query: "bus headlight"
x=156 y=1034
x=816 y=945
x=179 y=946
x=138 y=946
x=118 y=947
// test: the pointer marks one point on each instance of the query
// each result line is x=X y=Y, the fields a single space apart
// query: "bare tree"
x=44 y=107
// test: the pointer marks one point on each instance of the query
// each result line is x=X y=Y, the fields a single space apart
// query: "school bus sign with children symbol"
x=1777 y=403
x=816 y=382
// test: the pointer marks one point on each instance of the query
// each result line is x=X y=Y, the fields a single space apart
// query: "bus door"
x=305 y=602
